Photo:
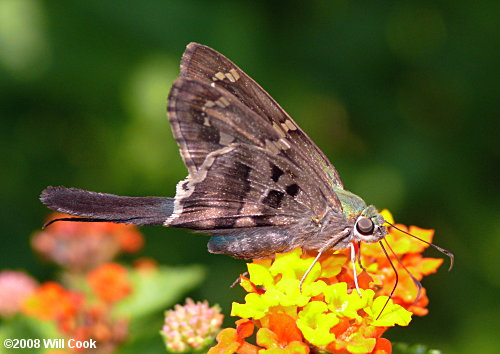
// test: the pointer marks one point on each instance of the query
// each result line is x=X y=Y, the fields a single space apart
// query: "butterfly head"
x=368 y=227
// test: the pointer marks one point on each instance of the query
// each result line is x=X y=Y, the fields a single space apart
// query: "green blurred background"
x=400 y=95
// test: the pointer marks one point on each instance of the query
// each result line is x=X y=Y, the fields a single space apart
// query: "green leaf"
x=156 y=290
x=23 y=327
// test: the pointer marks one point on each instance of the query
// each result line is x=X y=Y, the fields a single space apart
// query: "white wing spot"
x=285 y=145
x=271 y=147
x=230 y=77
x=220 y=76
x=225 y=138
x=290 y=125
x=235 y=74
x=222 y=102
x=209 y=104
x=279 y=130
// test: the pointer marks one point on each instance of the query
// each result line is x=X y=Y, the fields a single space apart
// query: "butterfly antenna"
x=417 y=283
x=440 y=249
x=397 y=278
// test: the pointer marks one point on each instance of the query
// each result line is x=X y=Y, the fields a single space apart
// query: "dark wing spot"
x=225 y=223
x=276 y=173
x=197 y=114
x=209 y=134
x=273 y=199
x=262 y=220
x=243 y=172
x=292 y=189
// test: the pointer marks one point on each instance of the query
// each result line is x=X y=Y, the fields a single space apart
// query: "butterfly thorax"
x=357 y=223
x=352 y=205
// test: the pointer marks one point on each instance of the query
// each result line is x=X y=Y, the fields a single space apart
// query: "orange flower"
x=279 y=334
x=232 y=340
x=110 y=282
x=52 y=302
x=129 y=238
x=77 y=318
x=382 y=346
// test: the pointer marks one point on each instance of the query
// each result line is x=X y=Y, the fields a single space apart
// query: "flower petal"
x=393 y=314
x=292 y=266
x=386 y=214
x=259 y=274
x=344 y=304
x=315 y=323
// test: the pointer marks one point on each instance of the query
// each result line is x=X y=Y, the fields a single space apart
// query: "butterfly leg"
x=353 y=261
x=331 y=244
x=309 y=270
x=238 y=280
x=359 y=257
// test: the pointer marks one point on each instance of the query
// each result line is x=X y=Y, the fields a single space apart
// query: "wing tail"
x=101 y=207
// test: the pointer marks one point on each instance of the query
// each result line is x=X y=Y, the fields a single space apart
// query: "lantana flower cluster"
x=326 y=313
x=82 y=315
x=191 y=327
x=82 y=305
x=80 y=246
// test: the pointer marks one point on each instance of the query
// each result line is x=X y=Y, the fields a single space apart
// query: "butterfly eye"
x=365 y=226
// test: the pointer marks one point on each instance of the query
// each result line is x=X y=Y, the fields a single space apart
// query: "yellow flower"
x=343 y=303
x=315 y=322
x=391 y=315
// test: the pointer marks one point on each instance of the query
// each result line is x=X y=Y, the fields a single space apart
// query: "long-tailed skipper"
x=256 y=182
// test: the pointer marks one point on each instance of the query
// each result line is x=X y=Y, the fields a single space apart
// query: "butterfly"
x=256 y=182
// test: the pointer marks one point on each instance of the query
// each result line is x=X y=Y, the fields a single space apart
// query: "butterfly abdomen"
x=253 y=243
x=108 y=207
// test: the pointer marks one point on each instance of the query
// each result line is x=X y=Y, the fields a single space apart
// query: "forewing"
x=206 y=65
x=206 y=119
